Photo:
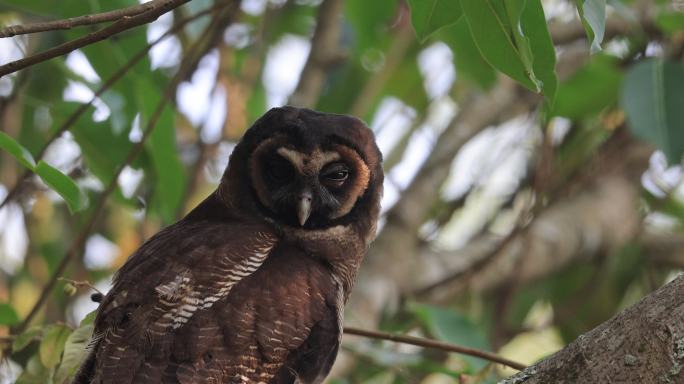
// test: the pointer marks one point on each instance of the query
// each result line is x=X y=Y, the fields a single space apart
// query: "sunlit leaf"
x=17 y=151
x=8 y=316
x=428 y=16
x=52 y=346
x=593 y=15
x=652 y=97
x=62 y=184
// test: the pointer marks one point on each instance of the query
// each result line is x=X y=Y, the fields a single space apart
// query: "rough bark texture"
x=643 y=344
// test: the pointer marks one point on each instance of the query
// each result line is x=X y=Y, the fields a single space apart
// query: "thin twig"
x=80 y=284
x=427 y=343
x=71 y=120
x=123 y=24
x=95 y=18
x=79 y=242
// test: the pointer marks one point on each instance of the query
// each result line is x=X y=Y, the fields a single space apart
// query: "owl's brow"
x=308 y=163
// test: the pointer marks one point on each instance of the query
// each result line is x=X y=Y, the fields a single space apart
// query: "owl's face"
x=312 y=170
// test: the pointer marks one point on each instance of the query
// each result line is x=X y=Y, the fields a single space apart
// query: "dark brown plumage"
x=250 y=286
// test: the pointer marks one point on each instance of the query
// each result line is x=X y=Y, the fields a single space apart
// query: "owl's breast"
x=278 y=304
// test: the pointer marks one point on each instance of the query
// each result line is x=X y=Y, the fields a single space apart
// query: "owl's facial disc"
x=307 y=189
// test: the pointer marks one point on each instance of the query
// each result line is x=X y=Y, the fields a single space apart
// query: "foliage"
x=150 y=147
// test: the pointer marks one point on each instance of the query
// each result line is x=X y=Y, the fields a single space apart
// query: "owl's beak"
x=304 y=207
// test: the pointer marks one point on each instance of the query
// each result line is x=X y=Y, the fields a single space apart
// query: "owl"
x=250 y=286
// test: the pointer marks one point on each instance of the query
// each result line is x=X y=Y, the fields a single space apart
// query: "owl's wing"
x=184 y=269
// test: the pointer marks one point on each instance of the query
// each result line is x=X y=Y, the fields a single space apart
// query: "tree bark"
x=643 y=344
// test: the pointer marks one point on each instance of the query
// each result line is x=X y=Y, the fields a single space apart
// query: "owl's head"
x=308 y=169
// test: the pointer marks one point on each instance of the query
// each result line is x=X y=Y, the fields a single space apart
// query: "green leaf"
x=513 y=37
x=451 y=326
x=428 y=16
x=489 y=26
x=593 y=15
x=8 y=316
x=514 y=11
x=369 y=20
x=652 y=97
x=535 y=29
x=469 y=62
x=579 y=97
x=62 y=184
x=75 y=350
x=670 y=22
x=26 y=337
x=52 y=346
x=17 y=150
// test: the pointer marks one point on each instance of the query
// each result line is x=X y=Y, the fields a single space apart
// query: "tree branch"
x=123 y=24
x=96 y=18
x=325 y=52
x=643 y=344
x=427 y=343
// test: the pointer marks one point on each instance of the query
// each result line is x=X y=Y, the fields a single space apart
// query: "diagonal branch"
x=96 y=18
x=124 y=24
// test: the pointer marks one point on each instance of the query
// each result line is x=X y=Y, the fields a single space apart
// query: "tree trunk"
x=642 y=344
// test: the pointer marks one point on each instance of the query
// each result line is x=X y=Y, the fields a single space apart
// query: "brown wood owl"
x=250 y=286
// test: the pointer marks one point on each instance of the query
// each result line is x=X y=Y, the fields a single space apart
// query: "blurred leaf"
x=34 y=373
x=8 y=316
x=25 y=338
x=593 y=15
x=386 y=377
x=52 y=346
x=62 y=184
x=467 y=58
x=491 y=28
x=75 y=349
x=652 y=97
x=578 y=96
x=16 y=150
x=291 y=18
x=370 y=21
x=428 y=16
x=670 y=22
x=451 y=326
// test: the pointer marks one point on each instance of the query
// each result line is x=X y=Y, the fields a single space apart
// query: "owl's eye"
x=279 y=169
x=335 y=174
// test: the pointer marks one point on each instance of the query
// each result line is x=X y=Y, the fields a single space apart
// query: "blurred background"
x=510 y=224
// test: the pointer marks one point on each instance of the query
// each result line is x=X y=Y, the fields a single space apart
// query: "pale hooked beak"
x=304 y=207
